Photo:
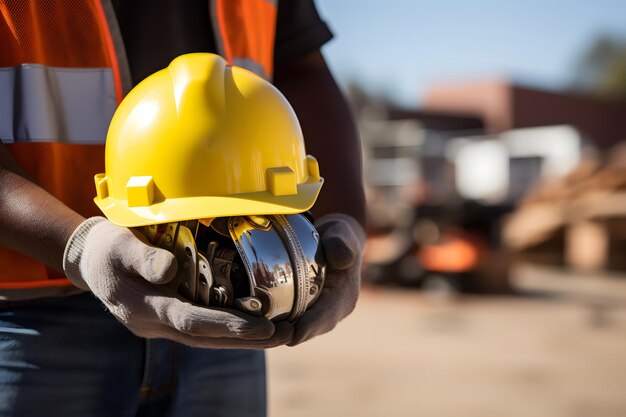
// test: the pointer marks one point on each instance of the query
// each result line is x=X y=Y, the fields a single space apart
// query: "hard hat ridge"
x=200 y=80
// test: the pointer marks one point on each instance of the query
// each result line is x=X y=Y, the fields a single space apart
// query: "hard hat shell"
x=201 y=139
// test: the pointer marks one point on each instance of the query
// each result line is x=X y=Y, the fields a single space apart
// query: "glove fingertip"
x=283 y=331
x=261 y=329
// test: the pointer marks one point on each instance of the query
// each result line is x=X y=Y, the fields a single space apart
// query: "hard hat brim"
x=189 y=208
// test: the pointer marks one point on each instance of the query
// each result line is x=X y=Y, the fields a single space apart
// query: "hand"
x=127 y=275
x=343 y=241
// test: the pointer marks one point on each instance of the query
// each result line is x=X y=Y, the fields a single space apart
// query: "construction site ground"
x=556 y=348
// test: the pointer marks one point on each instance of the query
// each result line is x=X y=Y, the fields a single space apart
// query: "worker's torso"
x=63 y=71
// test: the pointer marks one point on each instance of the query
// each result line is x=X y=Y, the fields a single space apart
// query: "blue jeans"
x=69 y=357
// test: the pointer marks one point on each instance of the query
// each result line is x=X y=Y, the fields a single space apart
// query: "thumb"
x=342 y=244
x=160 y=265
x=339 y=252
x=155 y=265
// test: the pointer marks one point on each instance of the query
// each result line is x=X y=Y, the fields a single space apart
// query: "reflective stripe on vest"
x=244 y=33
x=63 y=71
x=53 y=104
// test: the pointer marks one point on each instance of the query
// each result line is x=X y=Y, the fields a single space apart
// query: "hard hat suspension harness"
x=262 y=265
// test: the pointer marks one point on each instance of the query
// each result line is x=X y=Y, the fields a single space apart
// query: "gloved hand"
x=343 y=241
x=127 y=275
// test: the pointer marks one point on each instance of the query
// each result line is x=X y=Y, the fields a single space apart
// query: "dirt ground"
x=557 y=349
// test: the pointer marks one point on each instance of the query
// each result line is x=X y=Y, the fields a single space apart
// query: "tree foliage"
x=601 y=69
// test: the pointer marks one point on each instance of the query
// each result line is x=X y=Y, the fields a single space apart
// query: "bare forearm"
x=329 y=132
x=32 y=221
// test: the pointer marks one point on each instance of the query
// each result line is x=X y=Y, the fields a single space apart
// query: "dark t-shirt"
x=155 y=32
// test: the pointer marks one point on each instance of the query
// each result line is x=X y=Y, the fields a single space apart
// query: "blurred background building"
x=453 y=184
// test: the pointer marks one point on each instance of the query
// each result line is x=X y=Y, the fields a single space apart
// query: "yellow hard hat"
x=201 y=139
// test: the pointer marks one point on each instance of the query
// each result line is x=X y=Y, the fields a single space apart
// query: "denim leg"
x=160 y=377
x=67 y=357
x=220 y=383
x=202 y=382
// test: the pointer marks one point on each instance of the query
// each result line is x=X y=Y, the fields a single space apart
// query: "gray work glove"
x=128 y=276
x=343 y=241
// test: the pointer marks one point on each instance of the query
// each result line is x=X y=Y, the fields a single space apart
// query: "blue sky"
x=402 y=46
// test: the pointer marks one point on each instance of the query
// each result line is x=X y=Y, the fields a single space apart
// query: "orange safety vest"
x=63 y=71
